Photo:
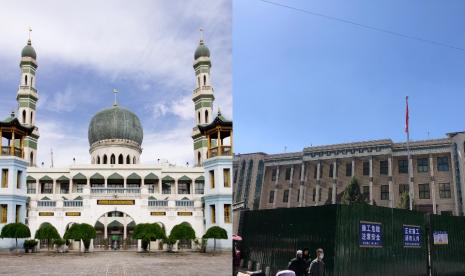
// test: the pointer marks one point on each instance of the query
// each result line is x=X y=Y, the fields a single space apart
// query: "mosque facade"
x=116 y=191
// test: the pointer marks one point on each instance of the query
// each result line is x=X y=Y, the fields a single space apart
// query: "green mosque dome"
x=28 y=51
x=201 y=51
x=115 y=123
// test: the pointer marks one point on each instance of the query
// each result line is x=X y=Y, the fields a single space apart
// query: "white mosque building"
x=115 y=191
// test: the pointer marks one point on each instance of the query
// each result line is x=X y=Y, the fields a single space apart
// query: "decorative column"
x=12 y=143
x=176 y=185
x=54 y=186
x=433 y=184
x=410 y=180
x=302 y=183
x=333 y=195
x=290 y=187
x=353 y=167
x=317 y=189
x=125 y=182
x=275 y=187
x=160 y=184
x=371 y=180
x=105 y=230
x=125 y=231
x=390 y=183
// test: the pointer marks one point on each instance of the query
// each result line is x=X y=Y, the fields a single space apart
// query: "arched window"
x=31 y=159
x=204 y=80
x=24 y=116
x=206 y=116
x=105 y=159
x=199 y=118
x=112 y=159
x=128 y=159
x=25 y=79
x=134 y=160
x=98 y=159
x=32 y=117
x=198 y=81
x=120 y=159
x=32 y=81
x=199 y=159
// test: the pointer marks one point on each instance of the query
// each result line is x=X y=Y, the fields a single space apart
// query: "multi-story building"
x=115 y=191
x=318 y=175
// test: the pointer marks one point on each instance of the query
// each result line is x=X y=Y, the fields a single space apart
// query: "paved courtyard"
x=116 y=263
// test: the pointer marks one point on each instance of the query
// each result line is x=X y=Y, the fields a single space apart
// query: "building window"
x=227 y=213
x=314 y=195
x=444 y=190
x=422 y=165
x=206 y=116
x=212 y=179
x=31 y=188
x=98 y=159
x=366 y=168
x=384 y=192
x=235 y=175
x=403 y=188
x=227 y=178
x=366 y=192
x=105 y=159
x=112 y=159
x=18 y=212
x=4 y=213
x=271 y=198
x=331 y=170
x=5 y=178
x=349 y=169
x=443 y=164
x=315 y=172
x=47 y=188
x=274 y=172
x=120 y=159
x=330 y=194
x=166 y=188
x=288 y=174
x=213 y=214
x=199 y=187
x=298 y=195
x=383 y=167
x=403 y=166
x=183 y=188
x=19 y=176
x=423 y=191
x=286 y=196
x=321 y=171
x=128 y=159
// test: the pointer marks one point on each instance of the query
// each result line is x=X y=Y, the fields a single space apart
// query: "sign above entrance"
x=116 y=202
x=158 y=213
x=73 y=214
x=46 y=214
x=184 y=213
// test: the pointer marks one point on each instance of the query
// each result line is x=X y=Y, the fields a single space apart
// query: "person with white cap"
x=297 y=264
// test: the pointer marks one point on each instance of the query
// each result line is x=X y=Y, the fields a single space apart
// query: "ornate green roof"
x=79 y=176
x=115 y=123
x=133 y=176
x=151 y=176
x=46 y=178
x=115 y=176
x=63 y=178
x=202 y=50
x=185 y=178
x=28 y=51
x=200 y=179
x=168 y=179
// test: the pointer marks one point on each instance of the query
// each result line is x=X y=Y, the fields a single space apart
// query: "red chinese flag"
x=406 y=115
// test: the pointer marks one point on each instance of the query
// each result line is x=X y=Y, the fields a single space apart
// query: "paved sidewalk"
x=116 y=263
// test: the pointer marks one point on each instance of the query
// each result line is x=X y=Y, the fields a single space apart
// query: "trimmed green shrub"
x=15 y=231
x=216 y=232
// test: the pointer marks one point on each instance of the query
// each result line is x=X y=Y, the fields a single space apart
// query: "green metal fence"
x=271 y=238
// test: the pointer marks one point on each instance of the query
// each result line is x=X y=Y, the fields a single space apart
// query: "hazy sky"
x=302 y=80
x=87 y=48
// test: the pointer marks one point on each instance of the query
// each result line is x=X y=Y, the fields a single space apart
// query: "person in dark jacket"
x=306 y=257
x=317 y=266
x=297 y=264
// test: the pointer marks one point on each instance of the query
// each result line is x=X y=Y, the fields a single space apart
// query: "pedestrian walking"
x=317 y=266
x=297 y=264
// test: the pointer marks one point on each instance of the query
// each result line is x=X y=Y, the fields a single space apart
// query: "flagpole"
x=409 y=169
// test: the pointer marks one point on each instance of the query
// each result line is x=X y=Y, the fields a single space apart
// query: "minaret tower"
x=27 y=100
x=203 y=99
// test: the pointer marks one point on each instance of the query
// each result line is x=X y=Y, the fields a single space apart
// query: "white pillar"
x=301 y=187
x=139 y=245
x=318 y=175
x=391 y=188
x=124 y=231
x=353 y=167
x=433 y=184
x=333 y=195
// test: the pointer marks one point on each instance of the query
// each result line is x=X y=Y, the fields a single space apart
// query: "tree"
x=148 y=232
x=81 y=232
x=182 y=231
x=15 y=231
x=47 y=232
x=352 y=193
x=404 y=202
x=215 y=232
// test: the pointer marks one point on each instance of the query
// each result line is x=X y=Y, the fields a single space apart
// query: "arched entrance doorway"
x=114 y=231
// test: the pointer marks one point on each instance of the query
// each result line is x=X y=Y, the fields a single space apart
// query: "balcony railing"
x=158 y=203
x=46 y=203
x=115 y=190
x=184 y=203
x=18 y=152
x=203 y=87
x=219 y=151
x=72 y=203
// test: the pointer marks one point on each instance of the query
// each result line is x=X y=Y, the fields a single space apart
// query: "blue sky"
x=301 y=80
x=87 y=48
